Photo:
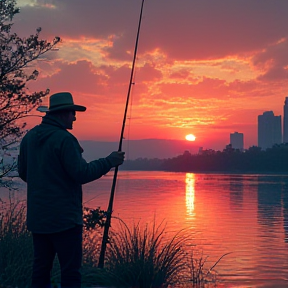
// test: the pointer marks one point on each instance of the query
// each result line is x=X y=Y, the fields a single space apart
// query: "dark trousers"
x=68 y=247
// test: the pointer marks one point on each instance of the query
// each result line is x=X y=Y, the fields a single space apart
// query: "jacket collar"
x=52 y=120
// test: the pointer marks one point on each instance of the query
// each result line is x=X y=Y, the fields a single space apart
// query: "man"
x=51 y=163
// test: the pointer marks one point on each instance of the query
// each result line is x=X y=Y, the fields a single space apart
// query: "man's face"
x=69 y=118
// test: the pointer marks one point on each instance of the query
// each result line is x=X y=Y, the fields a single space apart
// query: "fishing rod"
x=110 y=206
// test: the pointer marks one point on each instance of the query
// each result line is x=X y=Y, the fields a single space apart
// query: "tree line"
x=16 y=71
x=252 y=160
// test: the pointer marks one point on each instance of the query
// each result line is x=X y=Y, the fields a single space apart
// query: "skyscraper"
x=237 y=140
x=285 y=121
x=269 y=130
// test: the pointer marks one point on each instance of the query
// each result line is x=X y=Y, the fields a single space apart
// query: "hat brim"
x=62 y=107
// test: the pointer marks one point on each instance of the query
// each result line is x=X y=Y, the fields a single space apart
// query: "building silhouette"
x=285 y=121
x=237 y=140
x=269 y=130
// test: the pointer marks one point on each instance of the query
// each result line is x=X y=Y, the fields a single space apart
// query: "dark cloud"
x=213 y=29
x=116 y=75
x=148 y=73
x=183 y=29
x=74 y=18
x=275 y=58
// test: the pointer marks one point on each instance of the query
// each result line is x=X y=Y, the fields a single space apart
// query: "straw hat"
x=61 y=101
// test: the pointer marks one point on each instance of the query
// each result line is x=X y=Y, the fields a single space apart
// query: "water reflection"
x=269 y=201
x=236 y=192
x=285 y=210
x=190 y=193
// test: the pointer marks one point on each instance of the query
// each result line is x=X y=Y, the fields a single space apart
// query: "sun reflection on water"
x=190 y=193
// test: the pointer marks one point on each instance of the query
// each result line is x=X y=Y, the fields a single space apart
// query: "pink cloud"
x=181 y=74
x=70 y=77
x=208 y=87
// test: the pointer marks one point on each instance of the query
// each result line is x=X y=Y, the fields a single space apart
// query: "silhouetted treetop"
x=16 y=101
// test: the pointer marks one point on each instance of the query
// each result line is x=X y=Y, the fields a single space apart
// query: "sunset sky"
x=206 y=68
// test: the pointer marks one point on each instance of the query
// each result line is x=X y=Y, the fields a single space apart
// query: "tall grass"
x=135 y=257
x=16 y=252
x=16 y=247
x=144 y=258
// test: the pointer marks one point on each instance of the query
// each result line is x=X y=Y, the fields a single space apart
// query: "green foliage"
x=94 y=218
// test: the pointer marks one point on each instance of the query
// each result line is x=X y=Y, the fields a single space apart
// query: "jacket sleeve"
x=22 y=163
x=76 y=166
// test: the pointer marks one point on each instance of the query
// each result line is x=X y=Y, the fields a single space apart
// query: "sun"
x=190 y=137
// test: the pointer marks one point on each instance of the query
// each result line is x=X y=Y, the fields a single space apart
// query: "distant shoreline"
x=283 y=173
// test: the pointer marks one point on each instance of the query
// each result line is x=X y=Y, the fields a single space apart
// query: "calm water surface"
x=245 y=215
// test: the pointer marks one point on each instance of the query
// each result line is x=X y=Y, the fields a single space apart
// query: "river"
x=245 y=215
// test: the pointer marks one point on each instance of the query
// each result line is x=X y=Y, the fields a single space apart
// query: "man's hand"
x=116 y=158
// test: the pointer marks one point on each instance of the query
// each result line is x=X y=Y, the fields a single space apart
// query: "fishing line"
x=129 y=121
x=98 y=195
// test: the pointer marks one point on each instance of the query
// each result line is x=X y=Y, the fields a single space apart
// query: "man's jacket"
x=50 y=161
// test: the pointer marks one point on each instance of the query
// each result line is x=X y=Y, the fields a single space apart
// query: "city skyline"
x=269 y=130
x=285 y=121
x=237 y=140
